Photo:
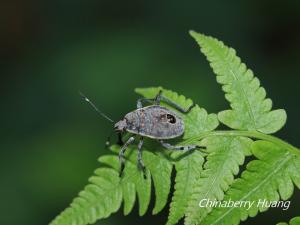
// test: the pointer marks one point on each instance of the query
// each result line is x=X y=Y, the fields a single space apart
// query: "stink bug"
x=154 y=121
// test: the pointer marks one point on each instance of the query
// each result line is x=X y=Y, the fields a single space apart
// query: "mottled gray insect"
x=154 y=121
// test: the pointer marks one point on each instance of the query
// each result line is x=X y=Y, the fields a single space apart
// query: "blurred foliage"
x=49 y=50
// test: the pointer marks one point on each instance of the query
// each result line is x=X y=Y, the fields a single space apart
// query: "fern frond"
x=294 y=221
x=226 y=154
x=269 y=178
x=250 y=108
x=196 y=121
x=106 y=192
x=188 y=170
x=99 y=199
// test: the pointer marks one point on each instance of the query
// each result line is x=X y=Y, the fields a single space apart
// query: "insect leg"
x=141 y=164
x=107 y=143
x=178 y=148
x=160 y=98
x=140 y=102
x=155 y=100
x=121 y=154
x=120 y=141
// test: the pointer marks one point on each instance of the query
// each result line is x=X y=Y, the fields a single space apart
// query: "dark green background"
x=50 y=139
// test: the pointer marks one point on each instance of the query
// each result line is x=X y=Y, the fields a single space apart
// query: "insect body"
x=154 y=121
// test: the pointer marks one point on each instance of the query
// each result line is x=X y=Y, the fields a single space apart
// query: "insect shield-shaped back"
x=155 y=122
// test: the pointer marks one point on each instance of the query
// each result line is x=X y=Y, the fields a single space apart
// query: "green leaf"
x=250 y=108
x=105 y=193
x=160 y=170
x=188 y=170
x=128 y=188
x=196 y=121
x=225 y=156
x=269 y=178
x=99 y=199
x=133 y=178
x=294 y=221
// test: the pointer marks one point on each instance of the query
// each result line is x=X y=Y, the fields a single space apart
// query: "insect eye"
x=171 y=119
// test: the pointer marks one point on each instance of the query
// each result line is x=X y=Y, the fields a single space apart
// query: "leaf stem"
x=251 y=134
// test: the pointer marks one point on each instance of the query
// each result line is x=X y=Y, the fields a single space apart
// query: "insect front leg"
x=178 y=148
x=141 y=164
x=122 y=152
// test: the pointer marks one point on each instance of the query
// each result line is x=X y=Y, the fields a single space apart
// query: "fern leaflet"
x=294 y=221
x=225 y=156
x=188 y=169
x=268 y=178
x=105 y=193
x=250 y=108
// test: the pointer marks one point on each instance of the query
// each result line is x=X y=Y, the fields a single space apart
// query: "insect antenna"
x=95 y=107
